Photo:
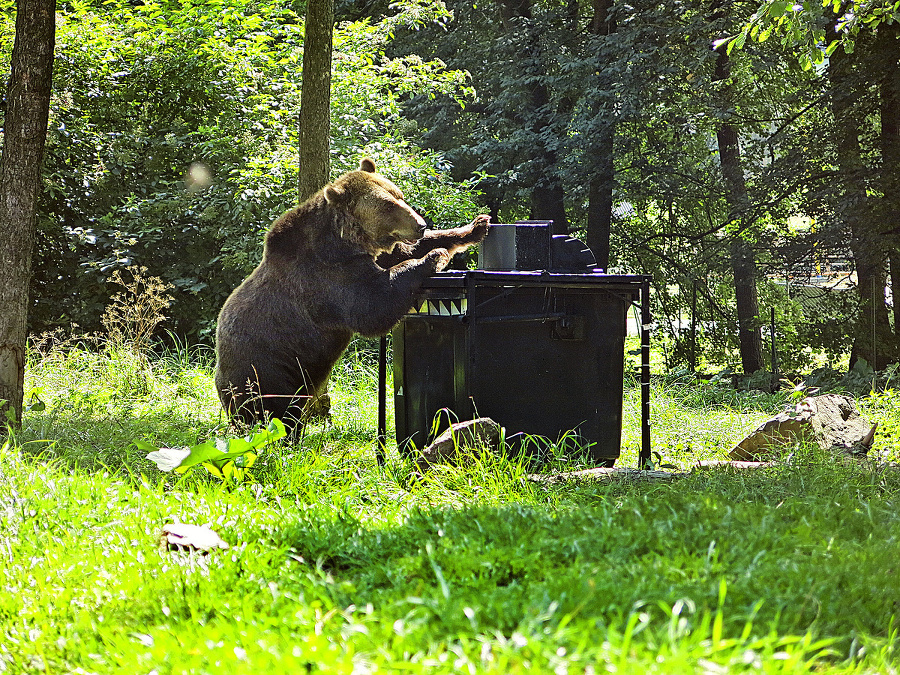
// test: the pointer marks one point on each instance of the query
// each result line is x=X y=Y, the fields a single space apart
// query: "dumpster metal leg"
x=381 y=440
x=644 y=455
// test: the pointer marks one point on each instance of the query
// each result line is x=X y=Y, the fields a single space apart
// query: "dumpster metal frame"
x=637 y=287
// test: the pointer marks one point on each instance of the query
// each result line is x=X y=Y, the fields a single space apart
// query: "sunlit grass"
x=336 y=565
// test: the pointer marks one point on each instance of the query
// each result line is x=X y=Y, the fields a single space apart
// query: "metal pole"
x=694 y=327
x=644 y=455
x=774 y=351
x=381 y=441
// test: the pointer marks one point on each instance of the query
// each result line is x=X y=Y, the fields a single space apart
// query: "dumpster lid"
x=463 y=278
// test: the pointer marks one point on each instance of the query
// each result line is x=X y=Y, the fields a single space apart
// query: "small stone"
x=460 y=439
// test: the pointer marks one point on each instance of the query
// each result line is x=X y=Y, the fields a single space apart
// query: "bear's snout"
x=413 y=228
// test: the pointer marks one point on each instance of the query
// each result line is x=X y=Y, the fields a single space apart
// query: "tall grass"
x=337 y=565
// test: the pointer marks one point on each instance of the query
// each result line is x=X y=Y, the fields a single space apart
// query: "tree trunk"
x=599 y=210
x=873 y=341
x=547 y=203
x=889 y=58
x=25 y=130
x=315 y=99
x=547 y=192
x=600 y=191
x=743 y=262
x=894 y=261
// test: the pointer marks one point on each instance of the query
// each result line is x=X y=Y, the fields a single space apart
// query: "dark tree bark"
x=888 y=55
x=547 y=202
x=315 y=100
x=547 y=193
x=743 y=261
x=600 y=191
x=24 y=134
x=874 y=340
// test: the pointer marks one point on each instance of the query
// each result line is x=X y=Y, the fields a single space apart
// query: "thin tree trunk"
x=743 y=262
x=315 y=98
x=600 y=191
x=894 y=261
x=25 y=131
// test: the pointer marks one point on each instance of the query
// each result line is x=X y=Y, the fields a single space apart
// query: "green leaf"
x=273 y=432
x=246 y=460
x=225 y=458
x=777 y=9
x=145 y=446
x=231 y=447
x=213 y=469
x=203 y=452
x=34 y=402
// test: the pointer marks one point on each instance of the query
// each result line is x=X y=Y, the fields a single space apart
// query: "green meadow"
x=337 y=565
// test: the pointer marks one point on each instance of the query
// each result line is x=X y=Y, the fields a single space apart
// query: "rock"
x=727 y=464
x=603 y=474
x=461 y=438
x=640 y=475
x=832 y=421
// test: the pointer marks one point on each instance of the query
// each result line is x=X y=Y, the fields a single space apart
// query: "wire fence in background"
x=808 y=316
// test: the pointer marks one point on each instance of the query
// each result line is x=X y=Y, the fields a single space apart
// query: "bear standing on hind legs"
x=348 y=260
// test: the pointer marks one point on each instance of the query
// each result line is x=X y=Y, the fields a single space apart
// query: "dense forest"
x=734 y=151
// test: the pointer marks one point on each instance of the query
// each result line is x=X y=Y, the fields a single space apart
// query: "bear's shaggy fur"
x=348 y=260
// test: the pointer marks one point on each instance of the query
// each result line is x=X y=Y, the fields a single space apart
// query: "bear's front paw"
x=440 y=257
x=478 y=229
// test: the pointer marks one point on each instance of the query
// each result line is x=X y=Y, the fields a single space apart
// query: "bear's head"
x=381 y=218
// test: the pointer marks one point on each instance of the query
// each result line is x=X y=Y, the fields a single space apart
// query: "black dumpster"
x=540 y=352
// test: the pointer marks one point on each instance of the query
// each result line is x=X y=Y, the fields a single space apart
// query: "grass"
x=336 y=565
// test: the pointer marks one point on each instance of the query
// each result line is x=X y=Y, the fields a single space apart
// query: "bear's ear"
x=333 y=194
x=367 y=165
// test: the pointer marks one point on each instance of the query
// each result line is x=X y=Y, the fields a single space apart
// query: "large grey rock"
x=832 y=421
x=460 y=439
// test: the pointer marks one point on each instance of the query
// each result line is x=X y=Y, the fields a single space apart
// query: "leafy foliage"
x=803 y=25
x=229 y=459
x=652 y=81
x=173 y=145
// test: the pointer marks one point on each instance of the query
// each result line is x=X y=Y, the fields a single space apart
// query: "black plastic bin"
x=540 y=353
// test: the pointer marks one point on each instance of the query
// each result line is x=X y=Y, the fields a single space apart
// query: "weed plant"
x=337 y=565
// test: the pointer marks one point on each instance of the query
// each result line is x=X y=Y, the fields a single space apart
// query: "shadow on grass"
x=782 y=551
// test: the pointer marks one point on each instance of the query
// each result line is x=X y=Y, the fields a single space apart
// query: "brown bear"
x=348 y=260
